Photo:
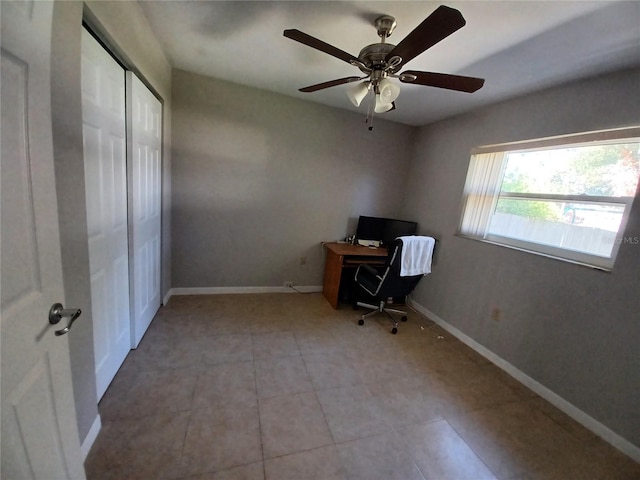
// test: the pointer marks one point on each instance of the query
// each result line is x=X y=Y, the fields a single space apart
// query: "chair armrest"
x=367 y=277
x=368 y=270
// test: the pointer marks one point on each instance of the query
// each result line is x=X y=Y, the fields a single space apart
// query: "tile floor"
x=281 y=386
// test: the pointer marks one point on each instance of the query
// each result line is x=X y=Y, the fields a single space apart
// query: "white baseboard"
x=574 y=412
x=305 y=289
x=235 y=290
x=166 y=298
x=87 y=443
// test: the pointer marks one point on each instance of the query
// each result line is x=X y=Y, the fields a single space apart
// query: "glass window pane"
x=610 y=170
x=582 y=227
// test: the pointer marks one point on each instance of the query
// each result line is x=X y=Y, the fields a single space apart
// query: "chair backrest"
x=393 y=284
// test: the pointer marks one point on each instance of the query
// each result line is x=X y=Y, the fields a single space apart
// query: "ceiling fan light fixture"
x=357 y=93
x=382 y=105
x=389 y=91
x=381 y=61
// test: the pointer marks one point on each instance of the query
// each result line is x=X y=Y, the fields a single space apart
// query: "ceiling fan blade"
x=436 y=27
x=313 y=42
x=331 y=83
x=444 y=80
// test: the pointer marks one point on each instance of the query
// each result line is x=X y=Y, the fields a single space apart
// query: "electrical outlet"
x=288 y=284
x=303 y=260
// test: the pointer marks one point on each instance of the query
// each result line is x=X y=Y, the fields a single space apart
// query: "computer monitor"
x=376 y=230
x=397 y=228
x=370 y=228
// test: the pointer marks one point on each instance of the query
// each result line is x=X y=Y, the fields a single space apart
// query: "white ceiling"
x=517 y=46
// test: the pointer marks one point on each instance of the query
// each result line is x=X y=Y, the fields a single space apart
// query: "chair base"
x=382 y=308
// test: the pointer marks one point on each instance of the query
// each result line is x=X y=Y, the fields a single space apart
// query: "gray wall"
x=260 y=179
x=573 y=329
x=125 y=25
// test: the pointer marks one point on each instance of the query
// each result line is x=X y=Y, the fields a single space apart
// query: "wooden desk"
x=344 y=255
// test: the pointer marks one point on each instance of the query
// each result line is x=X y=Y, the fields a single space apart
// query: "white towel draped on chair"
x=416 y=255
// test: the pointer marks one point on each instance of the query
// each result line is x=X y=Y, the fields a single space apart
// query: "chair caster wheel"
x=403 y=318
x=361 y=322
x=394 y=330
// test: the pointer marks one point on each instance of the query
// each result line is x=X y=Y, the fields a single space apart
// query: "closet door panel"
x=104 y=135
x=145 y=184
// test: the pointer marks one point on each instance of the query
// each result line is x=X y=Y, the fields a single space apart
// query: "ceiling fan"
x=382 y=61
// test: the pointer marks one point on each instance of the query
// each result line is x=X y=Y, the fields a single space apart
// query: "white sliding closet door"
x=104 y=133
x=146 y=142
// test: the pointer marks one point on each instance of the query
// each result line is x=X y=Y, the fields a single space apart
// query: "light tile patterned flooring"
x=281 y=386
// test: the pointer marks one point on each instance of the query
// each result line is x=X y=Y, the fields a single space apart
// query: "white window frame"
x=484 y=182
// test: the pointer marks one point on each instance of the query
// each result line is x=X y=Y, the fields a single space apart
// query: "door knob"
x=57 y=313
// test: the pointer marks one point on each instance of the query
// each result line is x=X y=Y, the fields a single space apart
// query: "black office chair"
x=385 y=284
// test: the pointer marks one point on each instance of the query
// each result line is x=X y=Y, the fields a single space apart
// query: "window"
x=564 y=197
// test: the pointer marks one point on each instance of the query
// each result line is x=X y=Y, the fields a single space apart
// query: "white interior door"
x=39 y=429
x=146 y=140
x=104 y=135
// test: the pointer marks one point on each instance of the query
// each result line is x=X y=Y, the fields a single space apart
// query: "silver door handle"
x=57 y=313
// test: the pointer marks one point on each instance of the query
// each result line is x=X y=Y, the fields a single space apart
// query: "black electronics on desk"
x=382 y=231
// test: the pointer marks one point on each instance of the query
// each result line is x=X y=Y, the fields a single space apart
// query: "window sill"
x=534 y=252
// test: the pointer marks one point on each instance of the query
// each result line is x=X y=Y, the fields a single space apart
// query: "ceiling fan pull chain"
x=370 y=112
x=369 y=120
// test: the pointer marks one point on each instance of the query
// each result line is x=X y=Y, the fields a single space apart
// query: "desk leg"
x=332 y=275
